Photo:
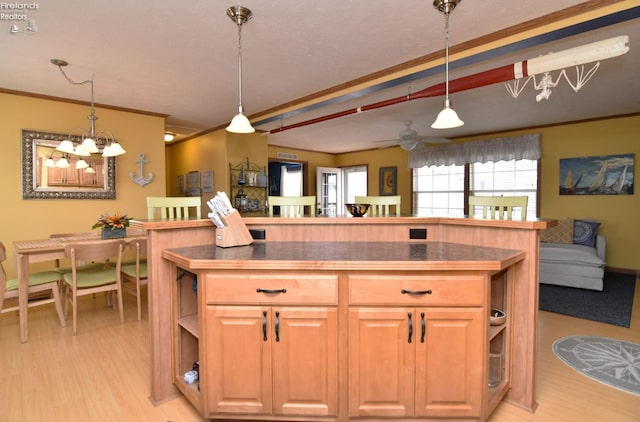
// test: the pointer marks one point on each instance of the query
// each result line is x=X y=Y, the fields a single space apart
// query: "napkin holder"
x=234 y=232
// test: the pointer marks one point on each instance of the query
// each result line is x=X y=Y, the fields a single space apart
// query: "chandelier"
x=88 y=145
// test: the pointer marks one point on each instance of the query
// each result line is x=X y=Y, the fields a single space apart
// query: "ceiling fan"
x=408 y=139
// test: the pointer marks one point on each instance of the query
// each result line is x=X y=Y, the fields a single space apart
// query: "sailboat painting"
x=600 y=175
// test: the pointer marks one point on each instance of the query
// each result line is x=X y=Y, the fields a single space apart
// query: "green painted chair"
x=498 y=207
x=43 y=289
x=380 y=205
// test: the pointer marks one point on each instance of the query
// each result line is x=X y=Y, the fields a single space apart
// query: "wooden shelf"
x=190 y=323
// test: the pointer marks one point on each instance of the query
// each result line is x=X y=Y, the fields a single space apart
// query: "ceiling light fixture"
x=168 y=136
x=111 y=147
x=447 y=118
x=240 y=123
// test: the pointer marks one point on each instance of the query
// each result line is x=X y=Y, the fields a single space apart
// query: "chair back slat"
x=498 y=207
x=95 y=252
x=380 y=205
x=174 y=206
x=292 y=206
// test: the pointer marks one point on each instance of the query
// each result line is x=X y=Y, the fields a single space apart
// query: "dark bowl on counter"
x=357 y=210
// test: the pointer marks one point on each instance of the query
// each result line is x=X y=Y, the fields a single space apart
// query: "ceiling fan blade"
x=387 y=140
x=434 y=140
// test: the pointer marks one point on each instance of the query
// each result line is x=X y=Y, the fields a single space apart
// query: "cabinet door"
x=305 y=365
x=449 y=363
x=237 y=355
x=381 y=362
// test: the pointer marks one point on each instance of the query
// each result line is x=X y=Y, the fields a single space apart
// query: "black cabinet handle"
x=410 y=327
x=271 y=291
x=416 y=292
x=264 y=325
x=423 y=323
x=277 y=326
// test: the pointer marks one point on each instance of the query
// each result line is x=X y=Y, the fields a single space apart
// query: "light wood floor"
x=102 y=374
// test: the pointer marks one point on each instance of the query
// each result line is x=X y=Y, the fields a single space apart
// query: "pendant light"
x=88 y=146
x=447 y=118
x=240 y=123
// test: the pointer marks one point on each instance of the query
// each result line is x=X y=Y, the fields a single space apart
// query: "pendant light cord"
x=446 y=52
x=240 y=107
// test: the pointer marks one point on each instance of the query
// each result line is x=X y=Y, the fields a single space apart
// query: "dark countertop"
x=345 y=256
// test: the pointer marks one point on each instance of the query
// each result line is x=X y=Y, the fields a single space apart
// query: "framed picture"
x=388 y=176
x=207 y=181
x=599 y=175
x=181 y=183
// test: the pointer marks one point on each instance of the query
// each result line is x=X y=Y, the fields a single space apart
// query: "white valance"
x=511 y=148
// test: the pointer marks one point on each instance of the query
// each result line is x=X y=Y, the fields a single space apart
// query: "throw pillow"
x=562 y=233
x=584 y=232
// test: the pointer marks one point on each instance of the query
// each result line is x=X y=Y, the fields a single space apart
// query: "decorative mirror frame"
x=30 y=140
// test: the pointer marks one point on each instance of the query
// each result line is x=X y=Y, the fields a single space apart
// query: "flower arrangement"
x=115 y=221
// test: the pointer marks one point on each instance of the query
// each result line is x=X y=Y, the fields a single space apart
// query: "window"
x=355 y=182
x=291 y=180
x=506 y=178
x=440 y=190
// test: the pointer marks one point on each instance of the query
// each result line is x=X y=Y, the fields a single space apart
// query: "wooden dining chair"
x=380 y=205
x=43 y=289
x=499 y=207
x=173 y=207
x=134 y=274
x=85 y=280
x=75 y=236
x=292 y=206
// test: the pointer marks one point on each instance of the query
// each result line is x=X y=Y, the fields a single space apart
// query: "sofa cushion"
x=584 y=232
x=562 y=233
x=569 y=254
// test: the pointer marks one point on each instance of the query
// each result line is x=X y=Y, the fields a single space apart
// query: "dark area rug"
x=612 y=305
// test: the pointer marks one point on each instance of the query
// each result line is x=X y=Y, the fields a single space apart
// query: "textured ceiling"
x=180 y=59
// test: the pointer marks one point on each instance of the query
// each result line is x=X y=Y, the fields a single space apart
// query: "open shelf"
x=187 y=333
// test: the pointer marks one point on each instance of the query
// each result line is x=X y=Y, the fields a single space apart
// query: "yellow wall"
x=375 y=159
x=618 y=213
x=602 y=137
x=24 y=219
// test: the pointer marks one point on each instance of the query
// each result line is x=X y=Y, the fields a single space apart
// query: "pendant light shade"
x=240 y=123
x=447 y=118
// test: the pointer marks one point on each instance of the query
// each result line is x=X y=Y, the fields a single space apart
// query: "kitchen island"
x=514 y=235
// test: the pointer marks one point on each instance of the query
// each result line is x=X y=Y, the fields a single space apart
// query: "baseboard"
x=623 y=271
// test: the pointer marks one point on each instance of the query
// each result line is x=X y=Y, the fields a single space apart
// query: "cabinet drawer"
x=445 y=290
x=275 y=289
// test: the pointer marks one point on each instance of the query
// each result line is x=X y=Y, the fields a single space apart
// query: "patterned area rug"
x=612 y=362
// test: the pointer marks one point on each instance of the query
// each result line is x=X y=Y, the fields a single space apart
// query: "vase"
x=114 y=233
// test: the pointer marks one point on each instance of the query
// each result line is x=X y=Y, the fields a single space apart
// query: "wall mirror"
x=46 y=175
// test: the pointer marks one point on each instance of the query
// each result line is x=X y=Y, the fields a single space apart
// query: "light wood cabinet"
x=339 y=344
x=271 y=361
x=271 y=344
x=415 y=361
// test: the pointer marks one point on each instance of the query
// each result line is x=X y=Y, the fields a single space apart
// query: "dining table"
x=41 y=250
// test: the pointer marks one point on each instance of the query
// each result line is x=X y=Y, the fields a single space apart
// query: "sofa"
x=572 y=254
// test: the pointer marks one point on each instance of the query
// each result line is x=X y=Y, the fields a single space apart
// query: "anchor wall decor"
x=141 y=180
